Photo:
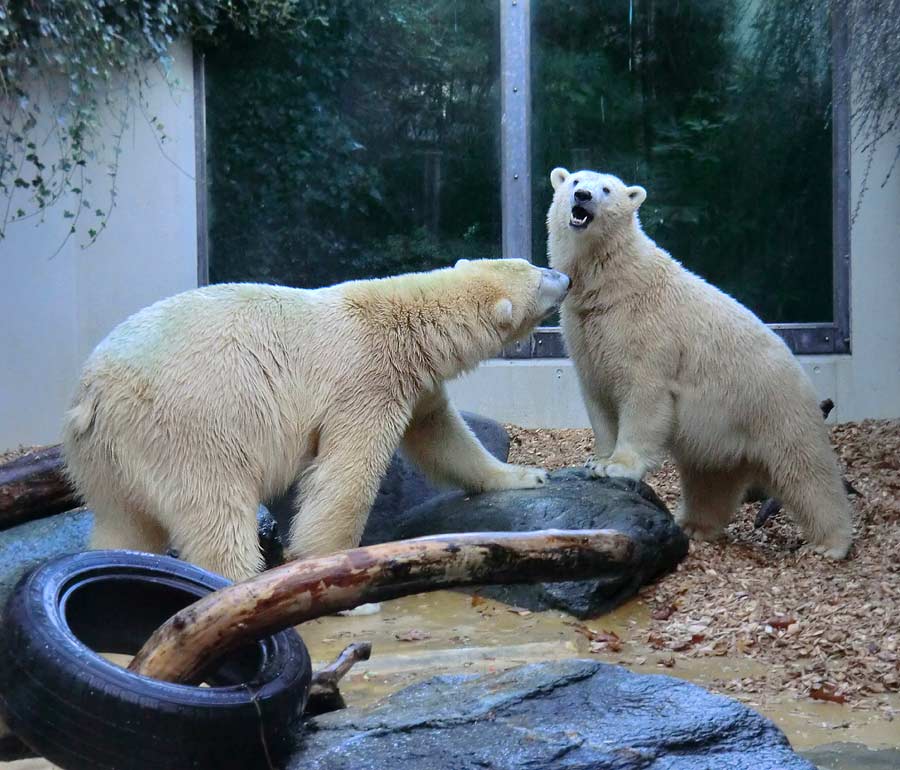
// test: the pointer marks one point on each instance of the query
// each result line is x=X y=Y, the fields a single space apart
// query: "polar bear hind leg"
x=709 y=499
x=125 y=526
x=814 y=496
x=218 y=532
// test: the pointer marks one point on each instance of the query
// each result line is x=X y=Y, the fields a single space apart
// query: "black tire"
x=83 y=712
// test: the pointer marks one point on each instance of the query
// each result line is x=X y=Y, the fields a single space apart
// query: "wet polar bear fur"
x=667 y=363
x=202 y=405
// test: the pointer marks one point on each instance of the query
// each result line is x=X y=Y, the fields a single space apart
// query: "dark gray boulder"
x=403 y=486
x=26 y=545
x=571 y=714
x=570 y=500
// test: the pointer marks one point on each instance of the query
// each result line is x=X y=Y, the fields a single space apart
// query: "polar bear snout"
x=584 y=208
x=553 y=290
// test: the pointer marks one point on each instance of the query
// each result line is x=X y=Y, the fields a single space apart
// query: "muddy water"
x=489 y=636
x=445 y=632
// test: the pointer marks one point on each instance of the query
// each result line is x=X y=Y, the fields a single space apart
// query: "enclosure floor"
x=751 y=617
x=820 y=629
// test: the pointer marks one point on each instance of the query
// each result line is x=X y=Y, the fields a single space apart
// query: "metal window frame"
x=832 y=337
x=199 y=67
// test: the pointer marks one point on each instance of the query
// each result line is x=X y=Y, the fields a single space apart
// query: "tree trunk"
x=34 y=485
x=180 y=649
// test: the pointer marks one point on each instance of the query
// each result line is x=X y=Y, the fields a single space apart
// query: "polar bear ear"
x=637 y=195
x=558 y=176
x=503 y=312
x=461 y=262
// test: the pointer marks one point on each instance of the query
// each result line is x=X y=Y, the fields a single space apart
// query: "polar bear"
x=198 y=407
x=668 y=363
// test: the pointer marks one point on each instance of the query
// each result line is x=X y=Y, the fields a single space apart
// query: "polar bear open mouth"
x=580 y=218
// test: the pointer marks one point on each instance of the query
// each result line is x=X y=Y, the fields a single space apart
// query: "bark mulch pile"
x=825 y=630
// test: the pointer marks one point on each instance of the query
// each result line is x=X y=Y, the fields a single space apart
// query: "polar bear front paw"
x=697 y=529
x=702 y=533
x=835 y=550
x=516 y=477
x=626 y=465
x=596 y=467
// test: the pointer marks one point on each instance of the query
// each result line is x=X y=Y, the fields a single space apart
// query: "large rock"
x=26 y=545
x=403 y=486
x=571 y=500
x=565 y=714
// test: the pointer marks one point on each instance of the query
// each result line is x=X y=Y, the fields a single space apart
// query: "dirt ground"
x=823 y=630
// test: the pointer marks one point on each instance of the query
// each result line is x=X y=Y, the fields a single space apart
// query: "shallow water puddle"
x=445 y=632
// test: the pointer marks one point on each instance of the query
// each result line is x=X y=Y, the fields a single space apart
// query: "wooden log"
x=324 y=693
x=185 y=645
x=12 y=748
x=34 y=485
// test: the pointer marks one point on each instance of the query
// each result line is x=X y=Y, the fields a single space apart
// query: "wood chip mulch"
x=823 y=630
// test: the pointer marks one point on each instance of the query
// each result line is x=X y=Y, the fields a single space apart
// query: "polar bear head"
x=513 y=295
x=591 y=216
x=591 y=203
x=445 y=321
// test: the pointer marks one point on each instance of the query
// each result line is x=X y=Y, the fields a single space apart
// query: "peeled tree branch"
x=34 y=485
x=186 y=644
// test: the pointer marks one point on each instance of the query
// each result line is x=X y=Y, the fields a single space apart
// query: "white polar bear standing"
x=198 y=407
x=668 y=363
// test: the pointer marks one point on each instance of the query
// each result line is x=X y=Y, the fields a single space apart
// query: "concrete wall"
x=544 y=393
x=57 y=306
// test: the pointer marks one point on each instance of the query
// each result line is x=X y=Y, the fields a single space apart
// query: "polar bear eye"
x=574 y=183
x=606 y=190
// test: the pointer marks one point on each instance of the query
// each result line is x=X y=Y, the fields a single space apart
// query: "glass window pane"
x=363 y=143
x=721 y=109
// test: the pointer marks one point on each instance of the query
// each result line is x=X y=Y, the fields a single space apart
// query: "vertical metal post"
x=515 y=122
x=840 y=144
x=200 y=166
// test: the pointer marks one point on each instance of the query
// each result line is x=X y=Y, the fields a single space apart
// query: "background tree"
x=363 y=143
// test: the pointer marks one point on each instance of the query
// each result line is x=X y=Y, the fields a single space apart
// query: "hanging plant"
x=71 y=67
x=871 y=82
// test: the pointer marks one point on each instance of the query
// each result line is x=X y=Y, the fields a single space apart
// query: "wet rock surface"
x=570 y=500
x=565 y=714
x=27 y=545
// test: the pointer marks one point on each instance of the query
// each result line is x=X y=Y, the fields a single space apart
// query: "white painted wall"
x=56 y=308
x=866 y=383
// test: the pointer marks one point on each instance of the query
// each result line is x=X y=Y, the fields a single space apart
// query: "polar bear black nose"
x=582 y=195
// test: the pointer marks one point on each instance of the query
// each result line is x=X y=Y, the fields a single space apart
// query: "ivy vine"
x=872 y=80
x=71 y=67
